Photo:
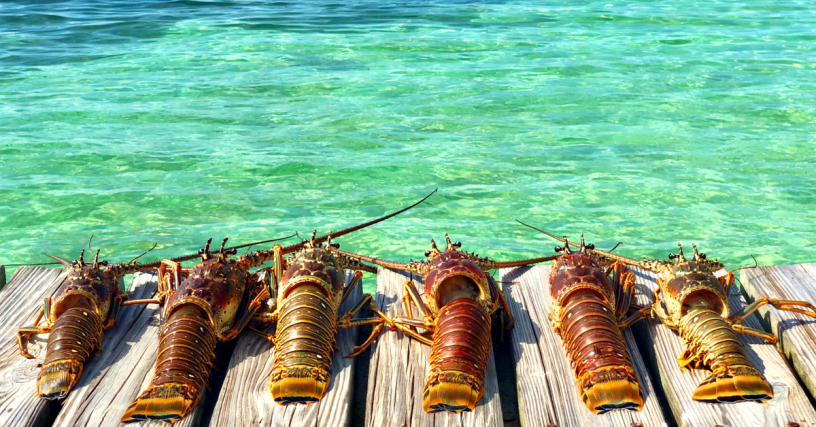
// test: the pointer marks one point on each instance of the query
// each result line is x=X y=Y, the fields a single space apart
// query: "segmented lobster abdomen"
x=604 y=370
x=74 y=336
x=461 y=347
x=182 y=368
x=713 y=344
x=304 y=345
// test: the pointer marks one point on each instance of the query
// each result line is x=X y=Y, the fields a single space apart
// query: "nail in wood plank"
x=399 y=366
x=245 y=399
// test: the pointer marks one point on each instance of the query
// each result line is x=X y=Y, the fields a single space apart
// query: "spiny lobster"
x=693 y=301
x=589 y=310
x=462 y=303
x=213 y=302
x=84 y=306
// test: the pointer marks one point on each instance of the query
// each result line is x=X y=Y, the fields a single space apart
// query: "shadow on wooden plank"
x=20 y=301
x=245 y=399
x=398 y=369
x=789 y=405
x=547 y=389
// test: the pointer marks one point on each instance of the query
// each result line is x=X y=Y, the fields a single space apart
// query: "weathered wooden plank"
x=547 y=390
x=398 y=369
x=2 y=276
x=112 y=379
x=796 y=332
x=20 y=301
x=245 y=399
x=789 y=405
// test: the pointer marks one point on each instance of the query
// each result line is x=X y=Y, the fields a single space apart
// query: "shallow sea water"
x=645 y=122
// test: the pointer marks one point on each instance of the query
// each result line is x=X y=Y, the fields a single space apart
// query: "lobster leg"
x=412 y=295
x=637 y=316
x=118 y=300
x=25 y=332
x=786 y=305
x=354 y=281
x=243 y=318
x=413 y=334
x=507 y=312
x=370 y=340
x=771 y=338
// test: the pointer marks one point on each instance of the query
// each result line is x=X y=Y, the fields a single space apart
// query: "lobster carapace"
x=591 y=300
x=462 y=304
x=693 y=301
x=85 y=305
x=218 y=298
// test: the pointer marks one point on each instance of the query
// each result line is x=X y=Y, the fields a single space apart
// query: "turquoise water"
x=644 y=122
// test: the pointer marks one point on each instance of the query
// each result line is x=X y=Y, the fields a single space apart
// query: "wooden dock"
x=546 y=391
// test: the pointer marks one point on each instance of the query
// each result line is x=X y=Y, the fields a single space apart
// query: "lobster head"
x=455 y=274
x=315 y=265
x=86 y=286
x=686 y=284
x=579 y=270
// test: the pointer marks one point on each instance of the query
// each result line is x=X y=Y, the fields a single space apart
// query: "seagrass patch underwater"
x=645 y=122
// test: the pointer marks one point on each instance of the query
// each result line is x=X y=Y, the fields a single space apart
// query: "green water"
x=644 y=122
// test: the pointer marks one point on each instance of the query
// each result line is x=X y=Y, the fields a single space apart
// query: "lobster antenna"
x=376 y=261
x=205 y=253
x=680 y=257
x=616 y=246
x=82 y=257
x=61 y=260
x=146 y=252
x=89 y=242
x=223 y=243
x=566 y=245
x=756 y=265
x=296 y=247
x=522 y=262
x=96 y=258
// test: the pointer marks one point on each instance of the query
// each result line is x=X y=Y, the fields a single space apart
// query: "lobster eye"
x=672 y=256
x=457 y=245
x=427 y=253
x=335 y=245
x=703 y=256
x=103 y=263
x=590 y=246
x=559 y=249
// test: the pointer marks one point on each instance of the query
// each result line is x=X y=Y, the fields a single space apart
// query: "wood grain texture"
x=796 y=332
x=399 y=366
x=112 y=380
x=245 y=399
x=20 y=301
x=789 y=405
x=547 y=389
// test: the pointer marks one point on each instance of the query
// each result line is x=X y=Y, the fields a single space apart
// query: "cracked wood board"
x=245 y=399
x=20 y=301
x=547 y=389
x=789 y=407
x=399 y=366
x=113 y=379
x=796 y=332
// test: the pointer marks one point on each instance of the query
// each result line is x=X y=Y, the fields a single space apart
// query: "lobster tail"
x=307 y=326
x=182 y=368
x=76 y=333
x=461 y=346
x=603 y=367
x=712 y=342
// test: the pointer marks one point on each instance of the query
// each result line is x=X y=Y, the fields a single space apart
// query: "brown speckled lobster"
x=84 y=306
x=218 y=298
x=591 y=299
x=461 y=307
